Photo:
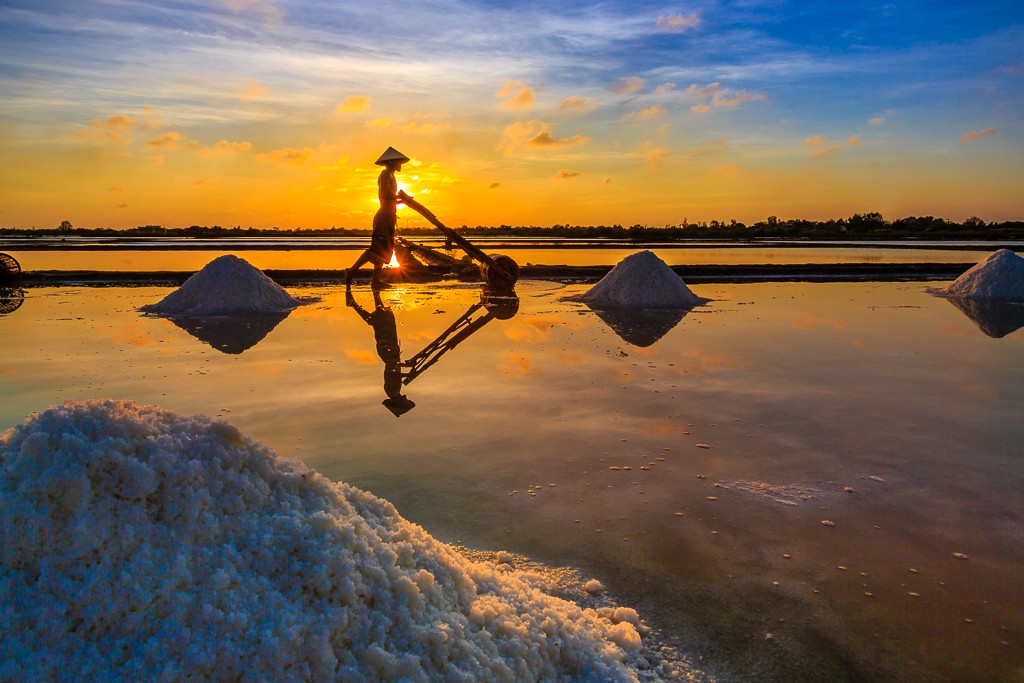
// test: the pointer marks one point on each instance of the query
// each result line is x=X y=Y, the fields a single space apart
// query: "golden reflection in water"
x=530 y=329
x=701 y=364
x=934 y=414
x=399 y=373
x=808 y=320
x=296 y=258
x=516 y=366
x=362 y=357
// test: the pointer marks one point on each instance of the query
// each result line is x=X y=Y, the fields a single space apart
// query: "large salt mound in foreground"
x=641 y=280
x=227 y=285
x=1000 y=277
x=137 y=544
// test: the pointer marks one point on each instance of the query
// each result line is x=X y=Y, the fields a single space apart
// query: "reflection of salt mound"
x=230 y=333
x=641 y=280
x=995 y=318
x=227 y=285
x=142 y=545
x=1000 y=277
x=641 y=326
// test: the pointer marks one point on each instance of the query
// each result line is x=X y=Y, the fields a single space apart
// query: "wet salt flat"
x=805 y=481
x=286 y=255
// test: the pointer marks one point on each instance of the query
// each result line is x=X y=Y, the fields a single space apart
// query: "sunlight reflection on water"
x=333 y=259
x=689 y=468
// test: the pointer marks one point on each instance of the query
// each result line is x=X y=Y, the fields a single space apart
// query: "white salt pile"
x=1000 y=277
x=641 y=280
x=138 y=544
x=227 y=285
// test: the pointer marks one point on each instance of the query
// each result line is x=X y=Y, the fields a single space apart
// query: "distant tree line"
x=858 y=226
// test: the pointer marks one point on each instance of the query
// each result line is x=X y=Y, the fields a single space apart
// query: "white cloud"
x=677 y=23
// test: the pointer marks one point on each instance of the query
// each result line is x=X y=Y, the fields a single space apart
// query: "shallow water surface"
x=803 y=481
x=297 y=256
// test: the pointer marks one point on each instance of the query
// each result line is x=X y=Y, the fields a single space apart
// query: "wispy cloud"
x=515 y=95
x=820 y=145
x=264 y=9
x=653 y=112
x=537 y=135
x=656 y=156
x=1016 y=69
x=567 y=173
x=576 y=104
x=973 y=135
x=677 y=23
x=354 y=103
x=714 y=96
x=288 y=155
x=226 y=148
x=628 y=85
x=171 y=140
x=114 y=130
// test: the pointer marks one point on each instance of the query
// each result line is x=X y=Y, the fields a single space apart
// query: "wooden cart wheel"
x=10 y=269
x=498 y=280
x=11 y=300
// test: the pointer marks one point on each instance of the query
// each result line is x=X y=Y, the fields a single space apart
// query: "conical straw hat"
x=391 y=154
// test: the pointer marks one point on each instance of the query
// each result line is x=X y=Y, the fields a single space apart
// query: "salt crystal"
x=641 y=280
x=143 y=545
x=1000 y=277
x=227 y=285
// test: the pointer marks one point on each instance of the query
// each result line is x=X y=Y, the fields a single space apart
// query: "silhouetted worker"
x=382 y=242
x=385 y=331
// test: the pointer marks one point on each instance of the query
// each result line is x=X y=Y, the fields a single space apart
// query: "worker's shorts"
x=382 y=242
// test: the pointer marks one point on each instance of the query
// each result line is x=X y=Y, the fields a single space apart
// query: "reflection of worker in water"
x=382 y=243
x=385 y=330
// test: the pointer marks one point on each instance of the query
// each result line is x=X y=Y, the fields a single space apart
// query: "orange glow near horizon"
x=180 y=131
x=249 y=184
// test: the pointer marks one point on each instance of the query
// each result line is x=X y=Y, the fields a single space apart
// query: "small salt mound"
x=142 y=545
x=227 y=285
x=1000 y=277
x=641 y=280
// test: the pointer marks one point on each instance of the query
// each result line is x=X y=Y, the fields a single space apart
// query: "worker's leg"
x=376 y=283
x=363 y=258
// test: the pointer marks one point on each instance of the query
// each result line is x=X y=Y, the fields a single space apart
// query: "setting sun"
x=798 y=114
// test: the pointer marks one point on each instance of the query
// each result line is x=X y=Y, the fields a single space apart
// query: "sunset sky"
x=118 y=113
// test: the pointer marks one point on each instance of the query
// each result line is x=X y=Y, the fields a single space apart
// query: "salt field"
x=789 y=481
x=287 y=254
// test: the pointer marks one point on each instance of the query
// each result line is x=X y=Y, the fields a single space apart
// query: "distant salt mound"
x=1000 y=277
x=641 y=280
x=142 y=545
x=227 y=285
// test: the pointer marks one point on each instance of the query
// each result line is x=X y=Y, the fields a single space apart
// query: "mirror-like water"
x=688 y=461
x=297 y=257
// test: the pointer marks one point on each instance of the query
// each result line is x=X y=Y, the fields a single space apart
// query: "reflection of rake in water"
x=10 y=270
x=501 y=308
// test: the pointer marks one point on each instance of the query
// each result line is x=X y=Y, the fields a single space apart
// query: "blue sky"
x=603 y=110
